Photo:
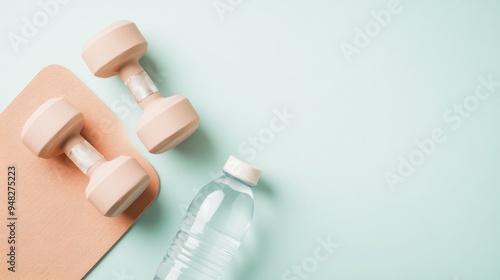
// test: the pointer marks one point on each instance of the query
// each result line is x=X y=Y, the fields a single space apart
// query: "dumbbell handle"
x=137 y=80
x=82 y=153
x=141 y=86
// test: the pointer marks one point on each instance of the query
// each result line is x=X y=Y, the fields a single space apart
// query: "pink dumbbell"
x=54 y=128
x=116 y=50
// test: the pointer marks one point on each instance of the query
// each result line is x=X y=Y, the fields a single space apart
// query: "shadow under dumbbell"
x=151 y=216
x=197 y=146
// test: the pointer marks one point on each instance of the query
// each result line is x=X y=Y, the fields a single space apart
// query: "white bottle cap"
x=242 y=170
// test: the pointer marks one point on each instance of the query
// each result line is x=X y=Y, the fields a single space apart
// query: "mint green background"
x=324 y=173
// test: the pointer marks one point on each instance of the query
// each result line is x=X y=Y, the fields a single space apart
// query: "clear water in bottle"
x=214 y=226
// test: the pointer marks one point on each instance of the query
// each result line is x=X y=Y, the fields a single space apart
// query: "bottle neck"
x=238 y=179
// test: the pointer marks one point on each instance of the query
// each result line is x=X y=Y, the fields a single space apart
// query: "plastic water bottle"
x=214 y=226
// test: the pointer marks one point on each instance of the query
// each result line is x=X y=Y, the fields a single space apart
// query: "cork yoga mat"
x=48 y=228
